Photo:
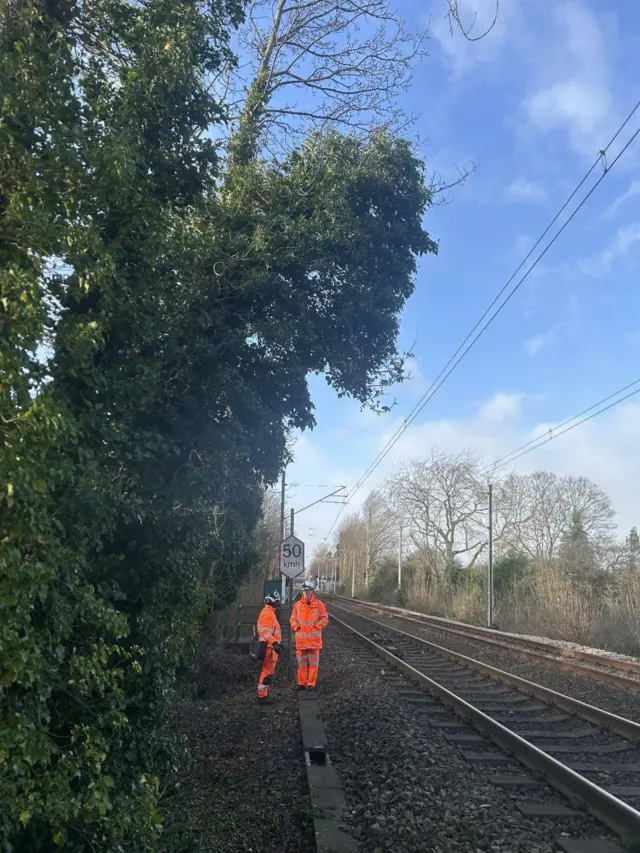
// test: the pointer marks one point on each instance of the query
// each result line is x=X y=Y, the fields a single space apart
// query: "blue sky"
x=533 y=103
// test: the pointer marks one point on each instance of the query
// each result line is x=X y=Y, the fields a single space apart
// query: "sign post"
x=291 y=566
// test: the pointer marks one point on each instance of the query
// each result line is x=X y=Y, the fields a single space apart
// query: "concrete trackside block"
x=331 y=838
x=325 y=790
x=593 y=846
x=322 y=777
x=313 y=734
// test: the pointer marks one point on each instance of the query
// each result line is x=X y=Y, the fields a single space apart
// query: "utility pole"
x=293 y=512
x=353 y=574
x=333 y=572
x=400 y=560
x=282 y=499
x=490 y=566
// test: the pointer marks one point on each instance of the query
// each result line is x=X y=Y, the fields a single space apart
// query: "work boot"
x=265 y=700
x=310 y=688
x=300 y=687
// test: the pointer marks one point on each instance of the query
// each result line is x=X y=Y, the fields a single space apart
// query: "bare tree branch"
x=455 y=20
x=320 y=65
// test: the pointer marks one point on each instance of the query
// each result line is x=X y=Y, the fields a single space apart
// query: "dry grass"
x=465 y=602
x=220 y=671
x=601 y=610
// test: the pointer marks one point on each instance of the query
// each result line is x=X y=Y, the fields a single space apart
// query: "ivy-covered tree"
x=101 y=152
x=182 y=311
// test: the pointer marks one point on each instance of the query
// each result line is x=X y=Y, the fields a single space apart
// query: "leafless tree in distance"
x=380 y=528
x=536 y=511
x=444 y=501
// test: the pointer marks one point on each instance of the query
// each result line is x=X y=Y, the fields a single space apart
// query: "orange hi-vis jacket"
x=268 y=626
x=308 y=620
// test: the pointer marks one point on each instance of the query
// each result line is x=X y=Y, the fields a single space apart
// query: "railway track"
x=589 y=755
x=615 y=671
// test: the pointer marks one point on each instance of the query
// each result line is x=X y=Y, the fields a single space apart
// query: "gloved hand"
x=277 y=648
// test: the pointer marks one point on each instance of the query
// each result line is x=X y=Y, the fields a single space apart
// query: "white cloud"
x=523 y=244
x=559 y=56
x=625 y=239
x=605 y=450
x=340 y=434
x=477 y=17
x=415 y=380
x=363 y=418
x=614 y=207
x=573 y=105
x=501 y=407
x=617 y=249
x=575 y=98
x=523 y=189
x=539 y=342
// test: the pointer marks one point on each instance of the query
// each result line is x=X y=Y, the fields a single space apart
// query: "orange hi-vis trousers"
x=308 y=663
x=267 y=672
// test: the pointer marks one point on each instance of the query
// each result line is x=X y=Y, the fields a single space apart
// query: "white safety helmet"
x=273 y=598
x=308 y=585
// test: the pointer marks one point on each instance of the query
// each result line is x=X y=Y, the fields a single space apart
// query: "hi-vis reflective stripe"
x=309 y=634
x=272 y=630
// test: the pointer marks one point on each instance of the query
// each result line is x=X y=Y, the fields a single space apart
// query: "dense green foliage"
x=508 y=570
x=183 y=305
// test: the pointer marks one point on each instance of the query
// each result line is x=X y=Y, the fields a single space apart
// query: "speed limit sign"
x=292 y=557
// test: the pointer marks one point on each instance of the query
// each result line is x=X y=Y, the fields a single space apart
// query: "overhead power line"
x=544 y=437
x=557 y=431
x=479 y=328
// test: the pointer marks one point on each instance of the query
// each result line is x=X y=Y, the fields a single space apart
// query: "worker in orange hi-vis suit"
x=270 y=633
x=308 y=619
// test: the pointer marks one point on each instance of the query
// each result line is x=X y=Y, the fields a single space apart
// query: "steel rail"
x=602 y=660
x=510 y=641
x=617 y=815
x=620 y=725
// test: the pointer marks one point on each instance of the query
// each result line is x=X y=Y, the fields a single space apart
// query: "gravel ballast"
x=616 y=700
x=407 y=789
x=549 y=641
x=247 y=789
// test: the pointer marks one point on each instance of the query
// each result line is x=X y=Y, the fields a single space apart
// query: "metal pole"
x=291 y=591
x=490 y=566
x=333 y=573
x=353 y=574
x=400 y=560
x=282 y=499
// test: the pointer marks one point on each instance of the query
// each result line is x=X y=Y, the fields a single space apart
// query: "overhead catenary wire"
x=553 y=432
x=470 y=340
x=556 y=432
